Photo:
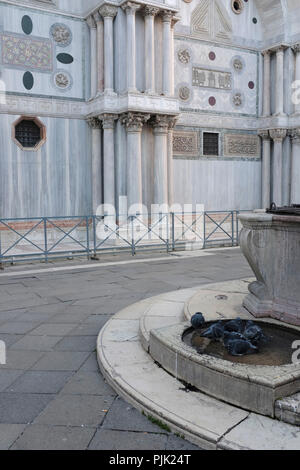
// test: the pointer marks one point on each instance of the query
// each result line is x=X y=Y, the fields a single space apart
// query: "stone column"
x=100 y=52
x=277 y=135
x=172 y=123
x=266 y=169
x=279 y=81
x=295 y=166
x=267 y=83
x=160 y=125
x=95 y=125
x=133 y=123
x=108 y=12
x=93 y=47
x=296 y=49
x=131 y=9
x=149 y=13
x=108 y=123
x=167 y=52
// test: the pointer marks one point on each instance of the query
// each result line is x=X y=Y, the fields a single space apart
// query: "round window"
x=237 y=6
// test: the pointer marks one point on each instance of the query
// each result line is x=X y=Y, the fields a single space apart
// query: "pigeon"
x=215 y=331
x=231 y=335
x=234 y=325
x=197 y=320
x=240 y=347
x=254 y=333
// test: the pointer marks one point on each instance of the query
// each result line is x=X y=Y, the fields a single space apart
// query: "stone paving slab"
x=39 y=382
x=9 y=433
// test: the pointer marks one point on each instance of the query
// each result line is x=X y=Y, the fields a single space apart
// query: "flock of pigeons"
x=239 y=337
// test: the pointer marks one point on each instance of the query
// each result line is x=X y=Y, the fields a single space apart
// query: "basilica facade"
x=164 y=102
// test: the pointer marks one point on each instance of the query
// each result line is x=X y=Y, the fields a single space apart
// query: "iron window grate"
x=210 y=143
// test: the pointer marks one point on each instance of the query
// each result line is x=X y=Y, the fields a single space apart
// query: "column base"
x=109 y=92
x=280 y=115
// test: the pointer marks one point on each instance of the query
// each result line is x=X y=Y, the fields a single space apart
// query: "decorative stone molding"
x=296 y=48
x=210 y=20
x=109 y=11
x=108 y=120
x=266 y=52
x=62 y=80
x=241 y=145
x=94 y=123
x=184 y=93
x=238 y=99
x=61 y=34
x=278 y=134
x=185 y=143
x=264 y=134
x=184 y=56
x=130 y=7
x=172 y=122
x=134 y=122
x=149 y=10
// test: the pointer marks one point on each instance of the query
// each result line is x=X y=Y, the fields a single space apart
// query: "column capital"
x=296 y=48
x=91 y=22
x=94 y=123
x=264 y=134
x=149 y=10
x=278 y=134
x=97 y=17
x=167 y=16
x=266 y=53
x=130 y=7
x=279 y=49
x=108 y=120
x=294 y=134
x=172 y=122
x=108 y=11
x=134 y=122
x=160 y=123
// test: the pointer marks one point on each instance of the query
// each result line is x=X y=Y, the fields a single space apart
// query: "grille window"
x=28 y=133
x=210 y=143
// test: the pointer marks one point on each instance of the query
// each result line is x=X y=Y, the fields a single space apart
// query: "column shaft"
x=267 y=84
x=96 y=164
x=295 y=167
x=150 y=13
x=167 y=62
x=100 y=53
x=130 y=9
x=266 y=169
x=108 y=158
x=93 y=55
x=108 y=12
x=277 y=135
x=279 y=81
x=296 y=49
x=172 y=123
x=161 y=160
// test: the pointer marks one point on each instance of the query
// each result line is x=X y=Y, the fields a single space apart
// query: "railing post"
x=173 y=230
x=232 y=228
x=1 y=256
x=45 y=239
x=204 y=230
x=237 y=228
x=132 y=235
x=87 y=237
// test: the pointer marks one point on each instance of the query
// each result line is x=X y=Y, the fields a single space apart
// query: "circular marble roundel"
x=212 y=100
x=62 y=80
x=28 y=80
x=212 y=55
x=61 y=34
x=27 y=24
x=251 y=85
x=65 y=58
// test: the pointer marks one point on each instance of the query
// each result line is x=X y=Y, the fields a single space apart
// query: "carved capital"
x=130 y=7
x=294 y=134
x=167 y=16
x=279 y=49
x=94 y=123
x=160 y=123
x=108 y=120
x=296 y=48
x=172 y=123
x=91 y=22
x=97 y=17
x=108 y=11
x=266 y=53
x=264 y=134
x=150 y=11
x=134 y=122
x=278 y=134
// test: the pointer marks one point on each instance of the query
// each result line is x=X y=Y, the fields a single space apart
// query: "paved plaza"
x=52 y=393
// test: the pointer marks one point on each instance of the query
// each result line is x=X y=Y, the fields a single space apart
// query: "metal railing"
x=45 y=238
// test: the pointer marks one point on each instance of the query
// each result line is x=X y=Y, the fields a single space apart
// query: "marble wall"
x=53 y=181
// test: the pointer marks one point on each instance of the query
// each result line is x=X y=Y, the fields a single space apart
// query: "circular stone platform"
x=123 y=346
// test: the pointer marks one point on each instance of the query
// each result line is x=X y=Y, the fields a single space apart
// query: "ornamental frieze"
x=185 y=143
x=208 y=78
x=24 y=52
x=241 y=145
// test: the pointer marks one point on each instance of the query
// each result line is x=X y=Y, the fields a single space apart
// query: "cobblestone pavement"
x=52 y=395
